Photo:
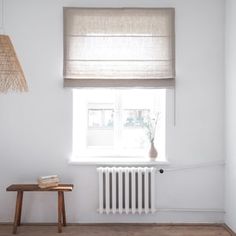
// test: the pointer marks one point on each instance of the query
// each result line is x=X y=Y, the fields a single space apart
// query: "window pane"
x=100 y=138
x=100 y=127
x=133 y=118
x=95 y=118
x=133 y=134
x=108 y=118
x=133 y=138
x=100 y=118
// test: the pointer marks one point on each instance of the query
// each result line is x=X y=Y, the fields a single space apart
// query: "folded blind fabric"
x=116 y=47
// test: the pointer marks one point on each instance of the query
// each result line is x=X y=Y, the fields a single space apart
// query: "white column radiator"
x=126 y=190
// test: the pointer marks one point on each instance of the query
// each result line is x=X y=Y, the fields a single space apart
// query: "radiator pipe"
x=195 y=166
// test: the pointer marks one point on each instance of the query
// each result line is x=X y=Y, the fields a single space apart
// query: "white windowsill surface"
x=116 y=161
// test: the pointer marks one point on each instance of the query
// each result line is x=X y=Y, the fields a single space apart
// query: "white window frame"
x=106 y=155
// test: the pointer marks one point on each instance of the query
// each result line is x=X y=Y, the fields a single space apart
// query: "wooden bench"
x=21 y=188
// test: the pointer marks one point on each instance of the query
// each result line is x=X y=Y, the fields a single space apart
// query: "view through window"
x=113 y=122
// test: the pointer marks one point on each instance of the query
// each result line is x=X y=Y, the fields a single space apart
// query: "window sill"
x=121 y=161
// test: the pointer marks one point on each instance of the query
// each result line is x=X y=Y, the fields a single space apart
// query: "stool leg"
x=20 y=208
x=17 y=211
x=63 y=210
x=59 y=211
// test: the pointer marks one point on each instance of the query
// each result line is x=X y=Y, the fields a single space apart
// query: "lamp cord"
x=3 y=18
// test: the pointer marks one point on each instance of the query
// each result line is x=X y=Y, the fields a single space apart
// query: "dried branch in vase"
x=150 y=125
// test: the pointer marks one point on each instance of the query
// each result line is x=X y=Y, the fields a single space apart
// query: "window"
x=112 y=122
x=127 y=57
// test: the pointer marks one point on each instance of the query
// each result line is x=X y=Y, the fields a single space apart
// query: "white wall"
x=230 y=114
x=36 y=128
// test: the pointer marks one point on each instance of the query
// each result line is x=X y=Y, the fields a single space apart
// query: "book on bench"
x=48 y=181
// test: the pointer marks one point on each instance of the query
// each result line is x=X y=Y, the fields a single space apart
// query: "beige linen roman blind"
x=119 y=47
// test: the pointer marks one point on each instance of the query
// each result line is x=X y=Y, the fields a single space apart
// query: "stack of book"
x=48 y=181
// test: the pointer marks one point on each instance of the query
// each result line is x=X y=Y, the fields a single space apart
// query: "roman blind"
x=119 y=47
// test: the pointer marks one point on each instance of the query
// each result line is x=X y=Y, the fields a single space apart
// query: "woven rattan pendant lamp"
x=11 y=74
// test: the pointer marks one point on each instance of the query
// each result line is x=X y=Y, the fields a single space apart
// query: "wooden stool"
x=21 y=188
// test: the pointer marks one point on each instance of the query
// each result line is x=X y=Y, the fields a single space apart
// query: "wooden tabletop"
x=35 y=187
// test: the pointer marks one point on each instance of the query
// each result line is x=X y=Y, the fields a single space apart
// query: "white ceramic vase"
x=152 y=151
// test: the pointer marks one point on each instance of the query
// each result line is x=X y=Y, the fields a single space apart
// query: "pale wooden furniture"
x=21 y=188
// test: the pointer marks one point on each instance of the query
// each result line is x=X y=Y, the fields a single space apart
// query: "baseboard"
x=131 y=224
x=232 y=233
